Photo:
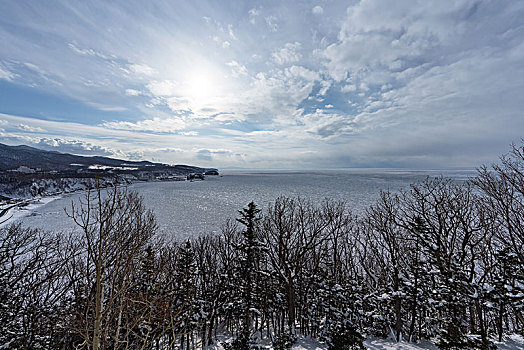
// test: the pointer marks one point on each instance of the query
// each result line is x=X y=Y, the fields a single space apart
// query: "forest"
x=442 y=261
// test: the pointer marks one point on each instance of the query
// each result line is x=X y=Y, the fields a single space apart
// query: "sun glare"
x=201 y=85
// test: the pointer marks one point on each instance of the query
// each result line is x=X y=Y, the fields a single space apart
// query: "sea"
x=185 y=209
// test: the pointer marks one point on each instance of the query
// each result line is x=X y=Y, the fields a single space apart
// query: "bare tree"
x=503 y=185
x=32 y=282
x=445 y=218
x=292 y=230
x=388 y=242
x=115 y=229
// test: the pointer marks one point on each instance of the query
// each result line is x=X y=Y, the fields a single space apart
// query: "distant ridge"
x=12 y=157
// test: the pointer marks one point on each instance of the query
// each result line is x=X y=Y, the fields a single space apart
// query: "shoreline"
x=24 y=208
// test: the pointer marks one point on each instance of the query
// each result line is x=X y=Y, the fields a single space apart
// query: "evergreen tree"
x=249 y=253
x=340 y=330
x=187 y=306
x=507 y=287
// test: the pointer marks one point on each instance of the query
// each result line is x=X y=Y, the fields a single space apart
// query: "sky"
x=266 y=84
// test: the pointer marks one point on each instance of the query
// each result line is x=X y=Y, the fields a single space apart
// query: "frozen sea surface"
x=185 y=209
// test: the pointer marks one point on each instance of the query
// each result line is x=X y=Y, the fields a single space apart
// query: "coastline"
x=13 y=212
x=23 y=207
x=218 y=199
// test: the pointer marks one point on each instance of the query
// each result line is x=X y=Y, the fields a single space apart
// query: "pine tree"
x=341 y=316
x=507 y=287
x=249 y=250
x=186 y=299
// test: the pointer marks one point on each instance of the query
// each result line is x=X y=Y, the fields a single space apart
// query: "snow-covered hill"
x=50 y=187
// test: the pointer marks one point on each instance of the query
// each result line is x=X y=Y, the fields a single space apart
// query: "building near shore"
x=26 y=170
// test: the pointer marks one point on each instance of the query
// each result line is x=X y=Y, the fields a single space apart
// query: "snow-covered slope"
x=50 y=187
x=514 y=342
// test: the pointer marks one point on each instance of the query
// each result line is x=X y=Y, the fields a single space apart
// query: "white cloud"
x=324 y=124
x=348 y=88
x=107 y=108
x=88 y=52
x=304 y=73
x=28 y=128
x=317 y=10
x=163 y=88
x=158 y=125
x=287 y=54
x=271 y=23
x=6 y=75
x=231 y=32
x=132 y=92
x=253 y=14
x=228 y=117
x=210 y=154
x=374 y=39
x=179 y=104
x=142 y=69
x=226 y=44
x=325 y=85
x=237 y=69
x=274 y=98
x=78 y=147
x=188 y=133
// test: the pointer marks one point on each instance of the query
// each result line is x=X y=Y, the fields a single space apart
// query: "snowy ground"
x=514 y=342
x=383 y=344
x=20 y=211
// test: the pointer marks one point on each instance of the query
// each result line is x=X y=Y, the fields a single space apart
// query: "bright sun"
x=200 y=85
